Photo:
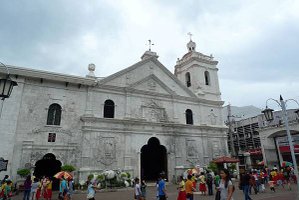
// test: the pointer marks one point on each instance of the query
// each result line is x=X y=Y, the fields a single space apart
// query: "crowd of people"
x=203 y=182
x=35 y=189
x=221 y=186
x=222 y=183
x=6 y=188
x=257 y=180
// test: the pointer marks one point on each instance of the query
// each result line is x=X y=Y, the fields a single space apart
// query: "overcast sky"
x=256 y=42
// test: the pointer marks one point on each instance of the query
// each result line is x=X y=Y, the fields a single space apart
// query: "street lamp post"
x=6 y=86
x=230 y=131
x=230 y=121
x=269 y=117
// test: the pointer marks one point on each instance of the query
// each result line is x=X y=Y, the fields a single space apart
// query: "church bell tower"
x=198 y=72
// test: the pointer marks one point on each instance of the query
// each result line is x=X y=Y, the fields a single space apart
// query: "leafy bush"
x=68 y=168
x=23 y=172
x=233 y=166
x=124 y=175
x=101 y=177
x=128 y=175
x=213 y=166
x=90 y=177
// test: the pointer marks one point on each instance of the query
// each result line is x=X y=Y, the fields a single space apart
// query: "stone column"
x=247 y=159
x=128 y=104
x=139 y=164
x=88 y=108
x=279 y=153
x=263 y=139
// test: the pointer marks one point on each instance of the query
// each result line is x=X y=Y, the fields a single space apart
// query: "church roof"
x=141 y=63
x=34 y=73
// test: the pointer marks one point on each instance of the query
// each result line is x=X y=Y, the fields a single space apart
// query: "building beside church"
x=255 y=139
x=143 y=119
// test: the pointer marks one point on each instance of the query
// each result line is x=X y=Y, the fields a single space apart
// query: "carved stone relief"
x=36 y=156
x=216 y=149
x=191 y=148
x=62 y=156
x=151 y=85
x=52 y=129
x=153 y=112
x=106 y=151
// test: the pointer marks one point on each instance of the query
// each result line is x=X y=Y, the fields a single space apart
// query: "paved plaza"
x=127 y=194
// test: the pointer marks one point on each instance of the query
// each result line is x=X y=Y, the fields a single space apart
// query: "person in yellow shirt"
x=202 y=184
x=189 y=188
x=273 y=174
x=3 y=186
x=181 y=188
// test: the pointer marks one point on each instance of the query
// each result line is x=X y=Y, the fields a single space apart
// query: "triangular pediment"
x=152 y=83
x=148 y=75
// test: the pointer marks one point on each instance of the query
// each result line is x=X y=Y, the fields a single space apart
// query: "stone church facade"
x=143 y=119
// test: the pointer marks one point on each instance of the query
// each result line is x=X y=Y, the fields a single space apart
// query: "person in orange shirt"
x=189 y=188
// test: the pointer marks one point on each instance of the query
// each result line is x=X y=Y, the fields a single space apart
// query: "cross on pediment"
x=190 y=35
x=150 y=44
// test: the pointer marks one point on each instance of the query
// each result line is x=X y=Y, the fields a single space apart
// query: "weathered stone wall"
x=149 y=102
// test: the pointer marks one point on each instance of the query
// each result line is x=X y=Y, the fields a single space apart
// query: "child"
x=34 y=188
x=38 y=191
x=271 y=185
x=7 y=190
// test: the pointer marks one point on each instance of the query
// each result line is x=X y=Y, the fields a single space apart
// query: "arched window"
x=207 y=78
x=54 y=114
x=188 y=79
x=189 y=116
x=109 y=109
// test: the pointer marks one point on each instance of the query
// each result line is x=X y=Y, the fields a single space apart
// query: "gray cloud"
x=272 y=57
x=49 y=33
x=255 y=42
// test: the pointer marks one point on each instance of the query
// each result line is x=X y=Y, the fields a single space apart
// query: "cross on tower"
x=190 y=35
x=150 y=44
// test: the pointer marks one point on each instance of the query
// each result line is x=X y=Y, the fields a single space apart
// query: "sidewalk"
x=127 y=194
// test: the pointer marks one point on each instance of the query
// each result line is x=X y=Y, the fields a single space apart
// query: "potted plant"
x=23 y=172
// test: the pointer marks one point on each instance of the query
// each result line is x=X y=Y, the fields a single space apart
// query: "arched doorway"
x=153 y=160
x=48 y=166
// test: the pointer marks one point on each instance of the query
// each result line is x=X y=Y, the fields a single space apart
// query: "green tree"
x=68 y=168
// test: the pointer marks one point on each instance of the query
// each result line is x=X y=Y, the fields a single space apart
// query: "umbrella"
x=286 y=164
x=194 y=171
x=63 y=174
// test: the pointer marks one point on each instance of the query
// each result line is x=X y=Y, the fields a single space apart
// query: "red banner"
x=255 y=151
x=286 y=149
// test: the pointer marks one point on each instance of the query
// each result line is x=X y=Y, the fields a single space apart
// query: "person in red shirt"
x=280 y=179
